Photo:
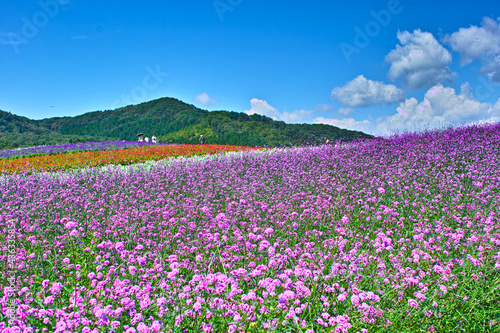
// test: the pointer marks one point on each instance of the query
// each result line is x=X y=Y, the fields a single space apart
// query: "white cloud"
x=420 y=60
x=205 y=100
x=345 y=111
x=346 y=123
x=263 y=108
x=441 y=106
x=466 y=91
x=362 y=92
x=481 y=43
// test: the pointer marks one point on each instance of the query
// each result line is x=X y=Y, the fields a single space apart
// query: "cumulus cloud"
x=362 y=92
x=419 y=60
x=263 y=108
x=481 y=43
x=205 y=100
x=441 y=106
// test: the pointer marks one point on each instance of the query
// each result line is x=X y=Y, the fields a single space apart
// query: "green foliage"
x=171 y=120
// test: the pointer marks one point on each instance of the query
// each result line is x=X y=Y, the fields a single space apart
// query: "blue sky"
x=375 y=66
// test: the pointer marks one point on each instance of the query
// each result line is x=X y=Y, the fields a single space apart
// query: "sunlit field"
x=387 y=235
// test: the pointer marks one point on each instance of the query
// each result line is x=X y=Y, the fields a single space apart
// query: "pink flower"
x=381 y=190
x=155 y=326
x=178 y=320
x=119 y=246
x=142 y=328
x=56 y=288
x=48 y=300
x=443 y=288
x=197 y=306
x=137 y=318
x=420 y=296
x=145 y=303
x=160 y=301
x=412 y=303
x=70 y=225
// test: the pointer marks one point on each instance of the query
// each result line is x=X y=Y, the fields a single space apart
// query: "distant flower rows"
x=70 y=147
x=92 y=158
x=396 y=235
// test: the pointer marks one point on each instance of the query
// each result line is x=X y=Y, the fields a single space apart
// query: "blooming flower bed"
x=105 y=157
x=398 y=235
x=71 y=147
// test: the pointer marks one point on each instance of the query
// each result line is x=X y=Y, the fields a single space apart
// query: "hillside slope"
x=171 y=120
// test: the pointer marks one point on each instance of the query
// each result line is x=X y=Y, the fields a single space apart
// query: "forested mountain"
x=171 y=120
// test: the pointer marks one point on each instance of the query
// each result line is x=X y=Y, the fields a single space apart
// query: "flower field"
x=394 y=235
x=82 y=159
x=71 y=147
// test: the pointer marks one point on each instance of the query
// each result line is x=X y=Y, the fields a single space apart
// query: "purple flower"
x=119 y=246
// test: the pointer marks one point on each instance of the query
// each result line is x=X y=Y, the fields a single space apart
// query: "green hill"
x=171 y=120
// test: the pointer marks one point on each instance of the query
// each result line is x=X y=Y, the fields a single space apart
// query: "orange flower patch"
x=105 y=157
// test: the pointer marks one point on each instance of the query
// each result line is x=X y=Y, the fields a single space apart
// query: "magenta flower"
x=119 y=246
x=143 y=328
x=48 y=300
x=412 y=303
x=156 y=326
x=70 y=225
